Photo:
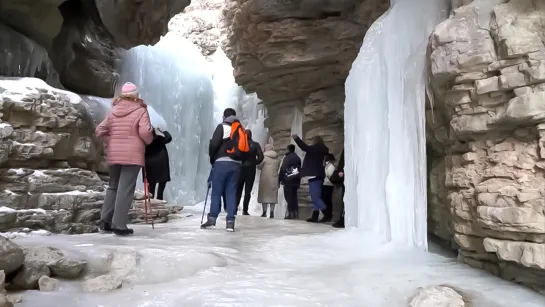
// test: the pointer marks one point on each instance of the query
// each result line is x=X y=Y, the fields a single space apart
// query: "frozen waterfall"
x=384 y=129
x=173 y=78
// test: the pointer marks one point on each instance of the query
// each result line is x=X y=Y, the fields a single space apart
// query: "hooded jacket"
x=217 y=149
x=268 y=180
x=313 y=163
x=127 y=130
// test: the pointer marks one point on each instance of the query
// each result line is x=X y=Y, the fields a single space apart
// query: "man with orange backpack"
x=228 y=148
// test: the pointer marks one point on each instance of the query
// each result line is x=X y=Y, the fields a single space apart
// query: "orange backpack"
x=239 y=142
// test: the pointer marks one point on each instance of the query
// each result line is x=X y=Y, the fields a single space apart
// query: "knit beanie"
x=129 y=89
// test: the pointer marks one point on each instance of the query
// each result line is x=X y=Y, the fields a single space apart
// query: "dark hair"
x=249 y=132
x=317 y=140
x=229 y=112
x=329 y=157
x=291 y=148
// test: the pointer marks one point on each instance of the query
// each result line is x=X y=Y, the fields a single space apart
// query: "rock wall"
x=49 y=159
x=486 y=136
x=81 y=37
x=297 y=54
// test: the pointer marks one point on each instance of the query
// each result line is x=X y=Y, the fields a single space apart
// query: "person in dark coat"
x=313 y=170
x=338 y=179
x=157 y=162
x=289 y=176
x=247 y=173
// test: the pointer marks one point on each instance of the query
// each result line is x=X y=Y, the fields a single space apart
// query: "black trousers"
x=246 y=183
x=327 y=197
x=290 y=195
x=160 y=191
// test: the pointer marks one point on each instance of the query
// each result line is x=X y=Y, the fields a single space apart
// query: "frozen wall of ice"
x=384 y=124
x=174 y=79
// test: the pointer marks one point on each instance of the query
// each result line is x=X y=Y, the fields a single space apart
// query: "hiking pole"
x=204 y=208
x=147 y=201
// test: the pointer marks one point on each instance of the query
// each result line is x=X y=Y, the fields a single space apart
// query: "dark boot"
x=210 y=222
x=123 y=232
x=314 y=217
x=105 y=227
x=326 y=218
x=264 y=207
x=290 y=216
x=271 y=211
x=230 y=226
x=339 y=223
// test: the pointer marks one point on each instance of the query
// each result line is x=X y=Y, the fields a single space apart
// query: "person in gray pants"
x=127 y=130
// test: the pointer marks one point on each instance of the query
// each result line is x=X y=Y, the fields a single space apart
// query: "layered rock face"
x=296 y=55
x=49 y=159
x=81 y=37
x=486 y=134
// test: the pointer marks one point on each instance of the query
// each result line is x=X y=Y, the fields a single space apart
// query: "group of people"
x=230 y=175
x=133 y=144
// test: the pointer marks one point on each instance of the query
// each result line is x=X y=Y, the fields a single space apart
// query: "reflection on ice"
x=265 y=263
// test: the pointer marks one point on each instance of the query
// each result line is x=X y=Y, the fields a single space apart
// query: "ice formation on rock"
x=384 y=124
x=173 y=78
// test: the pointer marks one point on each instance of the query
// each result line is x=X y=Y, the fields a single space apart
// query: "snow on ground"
x=267 y=263
x=8 y=209
x=18 y=88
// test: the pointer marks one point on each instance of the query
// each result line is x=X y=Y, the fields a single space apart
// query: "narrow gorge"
x=477 y=109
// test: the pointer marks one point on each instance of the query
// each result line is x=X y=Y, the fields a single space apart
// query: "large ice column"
x=174 y=78
x=384 y=124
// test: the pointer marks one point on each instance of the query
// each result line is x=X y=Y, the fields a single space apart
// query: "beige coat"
x=268 y=181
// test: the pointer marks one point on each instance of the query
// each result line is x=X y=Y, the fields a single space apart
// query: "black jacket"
x=313 y=164
x=256 y=155
x=218 y=144
x=291 y=160
x=157 y=161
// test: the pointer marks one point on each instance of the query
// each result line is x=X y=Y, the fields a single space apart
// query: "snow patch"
x=4 y=125
x=17 y=171
x=8 y=209
x=17 y=88
x=24 y=233
x=72 y=193
x=39 y=173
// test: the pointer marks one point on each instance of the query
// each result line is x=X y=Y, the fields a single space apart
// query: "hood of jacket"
x=271 y=154
x=230 y=119
x=125 y=107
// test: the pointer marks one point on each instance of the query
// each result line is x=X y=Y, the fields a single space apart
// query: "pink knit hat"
x=129 y=89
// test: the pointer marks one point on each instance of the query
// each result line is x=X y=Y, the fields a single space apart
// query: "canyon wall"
x=78 y=40
x=486 y=137
x=297 y=55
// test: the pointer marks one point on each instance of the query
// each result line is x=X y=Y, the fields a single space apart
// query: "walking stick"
x=147 y=200
x=204 y=208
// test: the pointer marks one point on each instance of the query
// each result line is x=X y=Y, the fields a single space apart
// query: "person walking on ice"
x=290 y=177
x=126 y=131
x=247 y=173
x=228 y=147
x=268 y=181
x=157 y=163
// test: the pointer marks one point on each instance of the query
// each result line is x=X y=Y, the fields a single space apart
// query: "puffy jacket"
x=127 y=131
x=255 y=157
x=313 y=163
x=217 y=149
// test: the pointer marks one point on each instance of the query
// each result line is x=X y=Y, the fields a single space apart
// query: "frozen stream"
x=266 y=263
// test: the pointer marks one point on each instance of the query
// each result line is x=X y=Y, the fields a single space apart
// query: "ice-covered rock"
x=47 y=284
x=29 y=274
x=4 y=302
x=437 y=296
x=122 y=264
x=11 y=256
x=56 y=261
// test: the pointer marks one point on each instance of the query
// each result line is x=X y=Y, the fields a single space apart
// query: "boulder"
x=123 y=263
x=437 y=296
x=47 y=284
x=56 y=261
x=11 y=256
x=4 y=302
x=27 y=277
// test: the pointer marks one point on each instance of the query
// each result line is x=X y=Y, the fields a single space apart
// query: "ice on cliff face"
x=384 y=124
x=174 y=79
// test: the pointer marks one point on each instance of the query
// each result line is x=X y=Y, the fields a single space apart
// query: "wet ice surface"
x=266 y=263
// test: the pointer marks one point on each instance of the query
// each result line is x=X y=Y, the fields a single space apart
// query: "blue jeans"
x=315 y=190
x=224 y=183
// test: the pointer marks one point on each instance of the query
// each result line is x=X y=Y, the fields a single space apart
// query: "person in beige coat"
x=268 y=181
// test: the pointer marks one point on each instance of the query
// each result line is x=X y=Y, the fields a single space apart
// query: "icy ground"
x=266 y=263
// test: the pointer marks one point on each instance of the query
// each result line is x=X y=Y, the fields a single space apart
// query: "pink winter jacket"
x=127 y=130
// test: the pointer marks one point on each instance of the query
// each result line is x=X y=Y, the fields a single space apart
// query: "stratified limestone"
x=486 y=135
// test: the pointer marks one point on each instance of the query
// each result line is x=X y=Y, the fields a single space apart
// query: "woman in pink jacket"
x=126 y=130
